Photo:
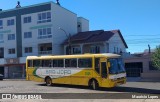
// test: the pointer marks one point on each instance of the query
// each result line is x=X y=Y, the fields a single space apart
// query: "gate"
x=134 y=69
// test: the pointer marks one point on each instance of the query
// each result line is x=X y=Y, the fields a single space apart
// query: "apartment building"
x=34 y=30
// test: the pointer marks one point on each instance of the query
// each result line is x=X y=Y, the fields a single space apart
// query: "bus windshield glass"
x=117 y=66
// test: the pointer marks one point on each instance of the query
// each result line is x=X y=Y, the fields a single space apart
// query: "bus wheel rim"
x=93 y=84
x=48 y=81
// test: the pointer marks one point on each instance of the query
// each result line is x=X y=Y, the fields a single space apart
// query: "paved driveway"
x=34 y=87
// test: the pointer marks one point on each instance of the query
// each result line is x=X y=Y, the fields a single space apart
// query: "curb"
x=14 y=79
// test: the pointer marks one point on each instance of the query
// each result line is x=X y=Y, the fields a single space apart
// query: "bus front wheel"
x=48 y=81
x=94 y=84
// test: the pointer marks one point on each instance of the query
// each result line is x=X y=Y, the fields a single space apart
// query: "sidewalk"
x=139 y=79
x=149 y=80
x=133 y=79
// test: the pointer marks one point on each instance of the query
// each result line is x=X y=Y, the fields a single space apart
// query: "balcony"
x=45 y=49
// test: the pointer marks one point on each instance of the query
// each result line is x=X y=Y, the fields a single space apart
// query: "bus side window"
x=54 y=63
x=85 y=63
x=97 y=66
x=36 y=63
x=46 y=63
x=71 y=63
x=50 y=64
x=58 y=63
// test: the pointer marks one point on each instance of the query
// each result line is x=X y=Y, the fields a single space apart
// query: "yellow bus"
x=93 y=70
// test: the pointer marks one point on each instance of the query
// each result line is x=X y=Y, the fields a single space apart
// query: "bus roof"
x=107 y=55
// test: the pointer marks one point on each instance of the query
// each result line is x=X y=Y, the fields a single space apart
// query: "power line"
x=143 y=35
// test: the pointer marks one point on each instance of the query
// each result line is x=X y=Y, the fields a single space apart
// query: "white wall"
x=61 y=17
x=34 y=41
x=84 y=24
x=9 y=43
x=115 y=41
x=65 y=19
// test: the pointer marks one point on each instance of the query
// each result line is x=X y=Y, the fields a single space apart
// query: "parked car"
x=1 y=77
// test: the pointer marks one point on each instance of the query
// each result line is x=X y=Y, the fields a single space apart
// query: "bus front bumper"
x=117 y=82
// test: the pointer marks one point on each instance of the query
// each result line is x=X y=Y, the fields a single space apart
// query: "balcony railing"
x=45 y=52
x=45 y=36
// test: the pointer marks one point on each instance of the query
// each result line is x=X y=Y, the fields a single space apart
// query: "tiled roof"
x=94 y=36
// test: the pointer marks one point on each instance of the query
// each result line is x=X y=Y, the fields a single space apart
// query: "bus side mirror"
x=109 y=64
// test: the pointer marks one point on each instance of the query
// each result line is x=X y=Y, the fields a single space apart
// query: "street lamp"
x=69 y=39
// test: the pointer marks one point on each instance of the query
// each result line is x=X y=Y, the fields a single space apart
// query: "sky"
x=138 y=20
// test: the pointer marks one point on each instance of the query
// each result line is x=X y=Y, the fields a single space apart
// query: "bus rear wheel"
x=48 y=81
x=94 y=85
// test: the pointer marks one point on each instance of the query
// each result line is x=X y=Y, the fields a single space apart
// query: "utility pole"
x=68 y=35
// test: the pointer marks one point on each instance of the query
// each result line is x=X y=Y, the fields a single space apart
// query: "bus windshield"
x=117 y=66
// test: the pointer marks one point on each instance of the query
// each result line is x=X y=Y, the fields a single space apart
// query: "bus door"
x=103 y=67
x=103 y=72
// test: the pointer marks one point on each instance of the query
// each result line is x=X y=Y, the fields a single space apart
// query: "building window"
x=76 y=50
x=27 y=34
x=114 y=49
x=1 y=24
x=107 y=46
x=120 y=51
x=11 y=36
x=11 y=51
x=44 y=17
x=28 y=49
x=10 y=22
x=27 y=19
x=1 y=52
x=95 y=49
x=44 y=33
x=117 y=50
x=1 y=38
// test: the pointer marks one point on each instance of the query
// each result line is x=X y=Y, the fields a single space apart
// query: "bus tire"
x=48 y=81
x=93 y=84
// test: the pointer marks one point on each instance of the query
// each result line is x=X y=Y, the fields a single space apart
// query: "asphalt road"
x=35 y=87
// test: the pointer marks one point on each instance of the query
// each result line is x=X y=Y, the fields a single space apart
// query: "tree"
x=156 y=58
